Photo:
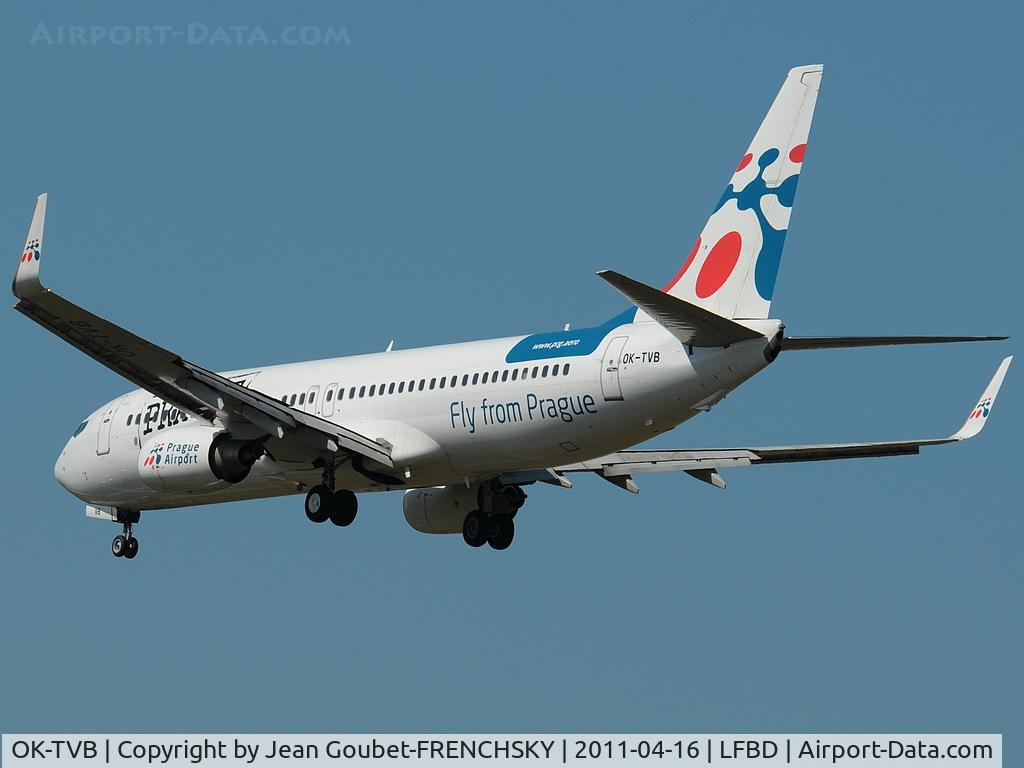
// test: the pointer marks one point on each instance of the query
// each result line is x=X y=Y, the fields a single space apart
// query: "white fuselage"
x=548 y=400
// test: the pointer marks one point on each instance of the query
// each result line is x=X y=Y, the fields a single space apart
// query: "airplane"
x=463 y=428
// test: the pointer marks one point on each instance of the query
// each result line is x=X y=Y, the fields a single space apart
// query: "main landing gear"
x=497 y=530
x=125 y=544
x=323 y=504
x=494 y=524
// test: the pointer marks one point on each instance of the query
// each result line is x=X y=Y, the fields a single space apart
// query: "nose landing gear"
x=125 y=544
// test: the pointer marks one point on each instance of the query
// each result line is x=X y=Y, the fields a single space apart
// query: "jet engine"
x=439 y=510
x=444 y=509
x=195 y=459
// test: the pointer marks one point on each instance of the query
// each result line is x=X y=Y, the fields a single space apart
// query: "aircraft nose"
x=60 y=470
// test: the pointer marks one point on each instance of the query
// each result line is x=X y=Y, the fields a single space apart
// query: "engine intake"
x=196 y=459
x=232 y=459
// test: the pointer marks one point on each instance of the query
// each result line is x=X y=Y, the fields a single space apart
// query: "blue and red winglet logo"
x=981 y=410
x=31 y=251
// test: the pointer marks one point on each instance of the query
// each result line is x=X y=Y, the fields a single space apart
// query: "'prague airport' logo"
x=982 y=409
x=156 y=455
x=31 y=251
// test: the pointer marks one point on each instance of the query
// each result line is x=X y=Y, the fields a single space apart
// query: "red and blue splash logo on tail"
x=155 y=456
x=981 y=409
x=724 y=255
x=31 y=251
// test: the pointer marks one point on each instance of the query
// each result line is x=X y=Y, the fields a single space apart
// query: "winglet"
x=979 y=413
x=26 y=280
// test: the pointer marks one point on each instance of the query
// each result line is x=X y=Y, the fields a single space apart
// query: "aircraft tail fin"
x=732 y=267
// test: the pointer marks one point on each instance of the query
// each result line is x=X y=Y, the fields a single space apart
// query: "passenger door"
x=610 y=364
x=106 y=422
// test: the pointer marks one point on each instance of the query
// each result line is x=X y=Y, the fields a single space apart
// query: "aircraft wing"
x=186 y=385
x=619 y=468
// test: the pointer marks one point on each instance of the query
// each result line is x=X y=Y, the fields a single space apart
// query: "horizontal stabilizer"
x=689 y=323
x=841 y=342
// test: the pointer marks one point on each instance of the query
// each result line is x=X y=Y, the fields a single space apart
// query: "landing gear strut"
x=323 y=503
x=125 y=544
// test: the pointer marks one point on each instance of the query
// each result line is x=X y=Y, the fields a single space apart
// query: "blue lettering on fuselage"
x=488 y=413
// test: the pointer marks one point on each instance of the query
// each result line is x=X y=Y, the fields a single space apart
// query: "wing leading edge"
x=188 y=386
x=704 y=464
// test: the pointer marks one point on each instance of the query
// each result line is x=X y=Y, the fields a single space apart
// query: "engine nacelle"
x=196 y=459
x=443 y=509
x=439 y=510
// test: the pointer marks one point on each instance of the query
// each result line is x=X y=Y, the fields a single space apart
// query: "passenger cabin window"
x=391 y=388
x=362 y=390
x=565 y=369
x=554 y=370
x=401 y=387
x=544 y=372
x=138 y=418
x=291 y=400
x=432 y=383
x=476 y=377
x=535 y=369
x=302 y=399
x=373 y=388
x=504 y=375
x=515 y=374
x=351 y=393
x=486 y=374
x=465 y=379
x=129 y=423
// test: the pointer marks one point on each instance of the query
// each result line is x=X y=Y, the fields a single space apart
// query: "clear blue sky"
x=458 y=171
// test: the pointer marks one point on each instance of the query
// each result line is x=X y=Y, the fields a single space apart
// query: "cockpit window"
x=81 y=428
